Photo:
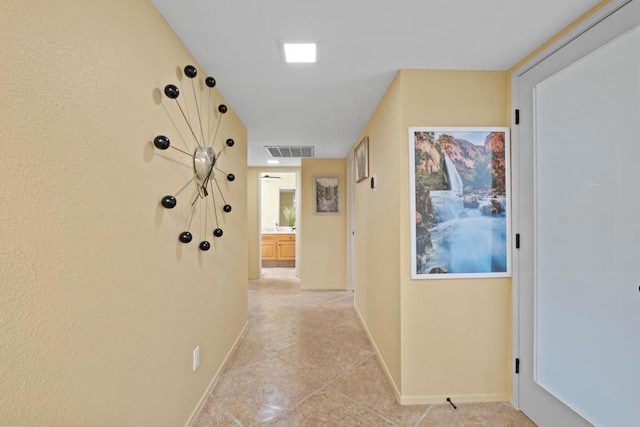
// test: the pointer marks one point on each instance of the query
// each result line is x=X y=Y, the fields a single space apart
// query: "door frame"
x=571 y=35
x=298 y=199
x=351 y=281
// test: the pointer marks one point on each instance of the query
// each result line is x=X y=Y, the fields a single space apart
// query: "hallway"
x=305 y=360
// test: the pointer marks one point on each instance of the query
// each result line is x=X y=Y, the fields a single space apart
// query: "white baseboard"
x=214 y=380
x=455 y=398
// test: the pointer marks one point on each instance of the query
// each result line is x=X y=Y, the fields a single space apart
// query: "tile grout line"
x=327 y=384
x=423 y=416
x=295 y=406
x=364 y=406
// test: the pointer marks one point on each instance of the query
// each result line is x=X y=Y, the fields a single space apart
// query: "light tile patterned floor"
x=305 y=360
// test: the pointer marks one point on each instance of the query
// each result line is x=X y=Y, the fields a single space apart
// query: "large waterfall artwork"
x=460 y=202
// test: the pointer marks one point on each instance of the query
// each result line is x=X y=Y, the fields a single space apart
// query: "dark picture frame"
x=361 y=155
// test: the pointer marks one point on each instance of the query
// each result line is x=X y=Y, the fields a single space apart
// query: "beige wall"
x=456 y=334
x=101 y=307
x=377 y=233
x=322 y=238
x=453 y=336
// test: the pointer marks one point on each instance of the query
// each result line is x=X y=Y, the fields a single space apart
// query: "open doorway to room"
x=279 y=201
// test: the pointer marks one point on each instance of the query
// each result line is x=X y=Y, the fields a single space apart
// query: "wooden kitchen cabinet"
x=286 y=247
x=269 y=245
x=279 y=247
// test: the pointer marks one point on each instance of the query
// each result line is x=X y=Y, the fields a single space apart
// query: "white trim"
x=298 y=219
x=298 y=191
x=259 y=229
x=455 y=398
x=350 y=187
x=515 y=259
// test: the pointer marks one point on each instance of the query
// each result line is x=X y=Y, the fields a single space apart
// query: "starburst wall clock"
x=198 y=148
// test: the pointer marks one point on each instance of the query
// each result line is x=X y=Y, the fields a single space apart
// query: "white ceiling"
x=362 y=44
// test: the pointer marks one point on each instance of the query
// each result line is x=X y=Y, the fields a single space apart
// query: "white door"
x=577 y=153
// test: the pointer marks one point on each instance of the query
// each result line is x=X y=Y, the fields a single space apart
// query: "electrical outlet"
x=196 y=358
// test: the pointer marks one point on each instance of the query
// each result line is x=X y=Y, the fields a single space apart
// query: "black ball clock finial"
x=199 y=142
x=185 y=237
x=169 y=202
x=190 y=71
x=161 y=142
x=171 y=91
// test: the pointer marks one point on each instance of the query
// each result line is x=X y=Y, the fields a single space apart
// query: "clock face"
x=201 y=145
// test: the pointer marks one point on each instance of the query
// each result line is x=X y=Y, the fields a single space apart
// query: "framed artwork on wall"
x=362 y=159
x=460 y=202
x=327 y=200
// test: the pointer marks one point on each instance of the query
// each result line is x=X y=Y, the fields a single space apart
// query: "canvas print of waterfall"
x=460 y=202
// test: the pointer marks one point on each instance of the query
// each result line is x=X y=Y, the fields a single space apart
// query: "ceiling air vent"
x=288 y=151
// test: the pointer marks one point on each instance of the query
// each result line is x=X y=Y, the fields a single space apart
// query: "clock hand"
x=207 y=179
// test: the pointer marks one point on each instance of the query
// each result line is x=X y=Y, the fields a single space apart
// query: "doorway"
x=279 y=222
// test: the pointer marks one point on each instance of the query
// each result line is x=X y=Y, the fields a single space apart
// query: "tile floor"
x=305 y=360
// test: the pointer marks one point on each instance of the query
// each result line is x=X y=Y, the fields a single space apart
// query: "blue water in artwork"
x=469 y=244
x=464 y=240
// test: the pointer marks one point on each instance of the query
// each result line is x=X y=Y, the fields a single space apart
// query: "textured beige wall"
x=436 y=338
x=322 y=238
x=456 y=334
x=377 y=233
x=101 y=306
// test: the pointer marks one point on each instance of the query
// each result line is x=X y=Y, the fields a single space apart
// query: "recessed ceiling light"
x=299 y=52
x=273 y=162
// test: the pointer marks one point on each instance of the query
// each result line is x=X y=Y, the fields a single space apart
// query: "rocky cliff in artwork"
x=430 y=174
x=481 y=167
x=495 y=144
x=429 y=155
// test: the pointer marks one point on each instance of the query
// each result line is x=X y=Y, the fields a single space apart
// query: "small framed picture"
x=327 y=194
x=362 y=159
